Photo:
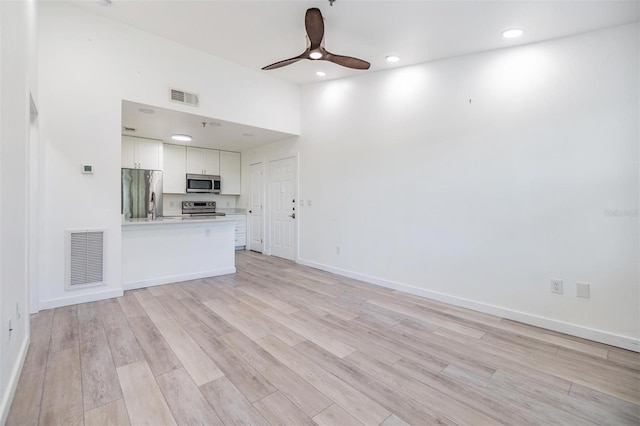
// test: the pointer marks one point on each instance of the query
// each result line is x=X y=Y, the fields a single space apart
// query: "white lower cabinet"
x=241 y=230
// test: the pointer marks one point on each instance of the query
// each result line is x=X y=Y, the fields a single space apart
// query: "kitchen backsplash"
x=172 y=203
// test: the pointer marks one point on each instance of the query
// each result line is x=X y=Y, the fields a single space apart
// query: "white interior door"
x=256 y=215
x=282 y=208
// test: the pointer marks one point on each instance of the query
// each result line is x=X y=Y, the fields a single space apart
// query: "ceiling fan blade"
x=347 y=61
x=315 y=27
x=286 y=61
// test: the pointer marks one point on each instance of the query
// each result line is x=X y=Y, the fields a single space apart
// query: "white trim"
x=177 y=278
x=82 y=298
x=547 y=323
x=12 y=384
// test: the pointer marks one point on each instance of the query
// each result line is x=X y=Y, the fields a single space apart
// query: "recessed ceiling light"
x=146 y=111
x=512 y=33
x=247 y=134
x=182 y=138
x=315 y=55
x=320 y=73
x=392 y=58
x=104 y=2
x=215 y=124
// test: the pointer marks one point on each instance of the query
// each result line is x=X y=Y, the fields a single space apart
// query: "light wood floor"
x=278 y=343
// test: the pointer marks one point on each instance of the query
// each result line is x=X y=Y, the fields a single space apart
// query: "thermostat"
x=87 y=168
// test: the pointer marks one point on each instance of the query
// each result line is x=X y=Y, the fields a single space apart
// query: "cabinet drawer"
x=241 y=240
x=241 y=227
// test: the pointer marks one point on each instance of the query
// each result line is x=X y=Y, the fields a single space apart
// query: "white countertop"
x=174 y=220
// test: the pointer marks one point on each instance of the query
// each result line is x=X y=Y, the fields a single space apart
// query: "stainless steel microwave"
x=209 y=184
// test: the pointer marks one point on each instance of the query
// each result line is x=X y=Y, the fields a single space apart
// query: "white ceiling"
x=258 y=33
x=163 y=123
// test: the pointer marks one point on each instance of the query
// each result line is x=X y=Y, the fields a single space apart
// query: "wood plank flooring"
x=279 y=343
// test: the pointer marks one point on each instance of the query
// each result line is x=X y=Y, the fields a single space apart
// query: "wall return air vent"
x=84 y=258
x=183 y=97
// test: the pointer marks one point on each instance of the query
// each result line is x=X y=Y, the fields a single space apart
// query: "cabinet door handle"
x=292 y=215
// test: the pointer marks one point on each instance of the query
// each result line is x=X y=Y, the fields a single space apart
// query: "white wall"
x=88 y=65
x=477 y=179
x=17 y=82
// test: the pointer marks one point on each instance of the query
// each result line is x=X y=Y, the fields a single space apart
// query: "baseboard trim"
x=177 y=278
x=547 y=323
x=12 y=385
x=81 y=298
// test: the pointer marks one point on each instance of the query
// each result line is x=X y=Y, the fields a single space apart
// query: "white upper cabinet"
x=139 y=153
x=203 y=161
x=174 y=169
x=230 y=173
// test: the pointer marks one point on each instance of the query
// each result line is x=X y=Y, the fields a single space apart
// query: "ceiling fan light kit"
x=314 y=24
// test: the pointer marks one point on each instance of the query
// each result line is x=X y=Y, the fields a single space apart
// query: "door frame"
x=264 y=204
x=269 y=202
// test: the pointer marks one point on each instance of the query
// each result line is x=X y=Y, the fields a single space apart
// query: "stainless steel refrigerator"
x=141 y=193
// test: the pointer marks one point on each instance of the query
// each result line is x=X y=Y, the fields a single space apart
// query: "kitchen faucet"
x=152 y=207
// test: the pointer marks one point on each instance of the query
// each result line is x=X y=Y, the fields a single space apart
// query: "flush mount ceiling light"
x=512 y=32
x=182 y=138
x=247 y=135
x=146 y=111
x=214 y=124
x=392 y=58
x=320 y=73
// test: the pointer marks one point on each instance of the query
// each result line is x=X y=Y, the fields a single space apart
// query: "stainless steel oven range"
x=199 y=209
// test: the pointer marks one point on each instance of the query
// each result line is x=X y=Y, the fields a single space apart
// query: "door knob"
x=250 y=211
x=292 y=215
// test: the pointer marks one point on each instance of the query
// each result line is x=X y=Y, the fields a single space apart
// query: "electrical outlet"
x=583 y=290
x=18 y=310
x=228 y=204
x=308 y=202
x=337 y=249
x=556 y=286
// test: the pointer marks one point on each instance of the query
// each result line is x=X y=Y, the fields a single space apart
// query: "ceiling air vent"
x=184 y=97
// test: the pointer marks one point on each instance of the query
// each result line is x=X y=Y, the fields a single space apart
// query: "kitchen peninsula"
x=168 y=250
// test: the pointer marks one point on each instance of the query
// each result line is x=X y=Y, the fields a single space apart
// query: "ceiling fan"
x=314 y=24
